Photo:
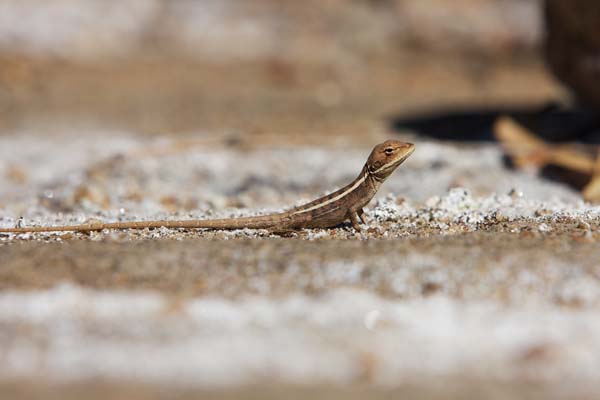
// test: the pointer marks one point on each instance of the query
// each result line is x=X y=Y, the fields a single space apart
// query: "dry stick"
x=591 y=191
x=325 y=212
x=527 y=149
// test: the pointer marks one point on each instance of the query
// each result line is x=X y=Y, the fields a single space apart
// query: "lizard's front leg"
x=354 y=219
x=361 y=215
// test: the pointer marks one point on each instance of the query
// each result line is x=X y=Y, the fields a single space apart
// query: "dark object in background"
x=573 y=47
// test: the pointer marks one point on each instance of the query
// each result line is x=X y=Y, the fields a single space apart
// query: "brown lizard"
x=328 y=211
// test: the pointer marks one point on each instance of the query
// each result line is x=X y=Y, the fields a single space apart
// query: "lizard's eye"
x=389 y=151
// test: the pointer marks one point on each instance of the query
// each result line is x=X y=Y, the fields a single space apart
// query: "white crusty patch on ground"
x=40 y=177
x=68 y=333
x=392 y=215
x=68 y=180
x=459 y=206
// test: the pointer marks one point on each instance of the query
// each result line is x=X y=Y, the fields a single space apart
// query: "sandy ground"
x=470 y=278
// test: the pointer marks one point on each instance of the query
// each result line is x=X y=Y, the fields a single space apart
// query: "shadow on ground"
x=473 y=124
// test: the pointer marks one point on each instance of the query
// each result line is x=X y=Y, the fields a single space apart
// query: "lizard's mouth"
x=408 y=153
x=403 y=157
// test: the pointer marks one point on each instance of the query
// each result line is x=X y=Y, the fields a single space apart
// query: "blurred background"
x=329 y=67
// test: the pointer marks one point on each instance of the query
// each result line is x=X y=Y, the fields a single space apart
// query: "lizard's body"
x=331 y=210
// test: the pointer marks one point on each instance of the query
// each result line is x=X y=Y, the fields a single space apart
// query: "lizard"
x=325 y=212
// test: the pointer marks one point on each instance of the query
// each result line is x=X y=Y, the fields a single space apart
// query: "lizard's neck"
x=370 y=180
x=371 y=183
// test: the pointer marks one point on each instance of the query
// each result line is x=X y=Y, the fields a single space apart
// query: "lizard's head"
x=386 y=156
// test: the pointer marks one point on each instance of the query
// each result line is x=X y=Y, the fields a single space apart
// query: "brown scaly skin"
x=328 y=211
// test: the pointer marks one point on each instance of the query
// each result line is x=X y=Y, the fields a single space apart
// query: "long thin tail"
x=260 y=222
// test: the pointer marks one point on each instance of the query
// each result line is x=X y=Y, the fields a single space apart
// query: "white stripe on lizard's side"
x=336 y=198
